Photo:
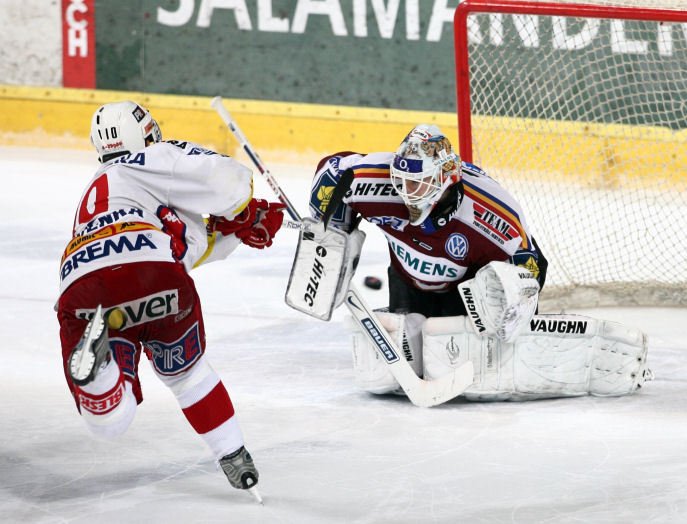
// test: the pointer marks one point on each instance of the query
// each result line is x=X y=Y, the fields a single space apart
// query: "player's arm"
x=532 y=259
x=332 y=180
x=209 y=183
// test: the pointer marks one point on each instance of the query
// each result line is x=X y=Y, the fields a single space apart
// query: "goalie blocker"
x=323 y=266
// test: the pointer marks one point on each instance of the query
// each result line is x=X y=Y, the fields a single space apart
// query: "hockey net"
x=581 y=112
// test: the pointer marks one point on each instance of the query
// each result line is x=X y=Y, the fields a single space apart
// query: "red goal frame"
x=468 y=7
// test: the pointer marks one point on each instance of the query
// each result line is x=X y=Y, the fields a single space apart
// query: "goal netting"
x=580 y=110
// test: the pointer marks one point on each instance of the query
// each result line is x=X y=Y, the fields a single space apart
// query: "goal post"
x=581 y=111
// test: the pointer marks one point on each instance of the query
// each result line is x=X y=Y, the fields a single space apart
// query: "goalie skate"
x=92 y=351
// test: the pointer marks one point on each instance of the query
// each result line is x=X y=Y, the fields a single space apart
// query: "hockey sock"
x=206 y=405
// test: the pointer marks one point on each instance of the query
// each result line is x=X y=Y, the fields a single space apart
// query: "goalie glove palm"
x=504 y=299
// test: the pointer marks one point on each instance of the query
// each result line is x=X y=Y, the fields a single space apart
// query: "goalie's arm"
x=327 y=193
x=533 y=260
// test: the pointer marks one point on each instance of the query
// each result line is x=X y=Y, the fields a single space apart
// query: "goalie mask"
x=423 y=167
x=122 y=128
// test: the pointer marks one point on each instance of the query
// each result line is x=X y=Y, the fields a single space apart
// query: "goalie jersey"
x=149 y=206
x=480 y=223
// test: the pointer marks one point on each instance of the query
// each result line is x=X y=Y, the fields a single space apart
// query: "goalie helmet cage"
x=580 y=110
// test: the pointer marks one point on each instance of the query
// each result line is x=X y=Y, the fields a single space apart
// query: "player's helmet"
x=423 y=167
x=121 y=128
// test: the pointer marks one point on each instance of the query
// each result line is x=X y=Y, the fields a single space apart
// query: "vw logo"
x=457 y=246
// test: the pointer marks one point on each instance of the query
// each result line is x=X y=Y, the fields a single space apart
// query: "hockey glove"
x=501 y=299
x=255 y=226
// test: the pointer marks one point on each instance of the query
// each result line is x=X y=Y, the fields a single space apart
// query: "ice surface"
x=326 y=452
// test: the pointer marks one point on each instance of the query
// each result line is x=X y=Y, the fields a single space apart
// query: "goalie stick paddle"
x=423 y=393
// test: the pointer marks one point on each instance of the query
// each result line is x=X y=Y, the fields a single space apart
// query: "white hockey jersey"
x=118 y=219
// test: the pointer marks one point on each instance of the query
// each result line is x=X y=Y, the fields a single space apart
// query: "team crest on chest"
x=457 y=246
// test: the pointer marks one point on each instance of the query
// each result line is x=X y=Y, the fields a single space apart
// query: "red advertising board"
x=78 y=43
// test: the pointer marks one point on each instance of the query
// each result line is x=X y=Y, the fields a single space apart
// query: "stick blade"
x=427 y=393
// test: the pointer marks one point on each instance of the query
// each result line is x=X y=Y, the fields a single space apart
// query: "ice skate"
x=91 y=352
x=240 y=471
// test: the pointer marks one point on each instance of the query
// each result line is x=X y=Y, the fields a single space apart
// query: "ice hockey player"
x=464 y=279
x=124 y=284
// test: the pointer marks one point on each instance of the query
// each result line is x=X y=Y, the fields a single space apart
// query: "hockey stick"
x=217 y=105
x=424 y=393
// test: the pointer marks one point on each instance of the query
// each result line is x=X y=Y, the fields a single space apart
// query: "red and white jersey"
x=487 y=224
x=149 y=206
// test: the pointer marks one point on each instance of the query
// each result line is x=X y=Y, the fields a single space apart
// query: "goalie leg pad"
x=449 y=342
x=370 y=372
x=619 y=365
x=557 y=356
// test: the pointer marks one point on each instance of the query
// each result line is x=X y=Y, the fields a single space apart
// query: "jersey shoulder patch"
x=489 y=209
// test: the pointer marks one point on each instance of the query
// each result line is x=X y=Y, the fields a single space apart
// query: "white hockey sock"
x=224 y=439
x=108 y=404
x=207 y=406
x=104 y=381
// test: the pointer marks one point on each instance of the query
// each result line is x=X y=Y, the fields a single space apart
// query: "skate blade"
x=254 y=491
x=83 y=361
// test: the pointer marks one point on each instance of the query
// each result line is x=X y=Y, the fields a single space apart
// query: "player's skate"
x=240 y=471
x=92 y=351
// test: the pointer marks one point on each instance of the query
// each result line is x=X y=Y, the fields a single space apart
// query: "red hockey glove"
x=255 y=226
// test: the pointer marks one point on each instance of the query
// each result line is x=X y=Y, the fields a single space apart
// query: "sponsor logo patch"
x=102 y=404
x=381 y=342
x=396 y=223
x=469 y=302
x=453 y=351
x=494 y=225
x=457 y=246
x=171 y=358
x=423 y=266
x=558 y=326
x=138 y=114
x=141 y=310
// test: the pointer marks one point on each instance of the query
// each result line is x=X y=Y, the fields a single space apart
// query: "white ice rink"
x=326 y=452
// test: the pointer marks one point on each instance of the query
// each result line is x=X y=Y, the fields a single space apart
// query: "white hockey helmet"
x=423 y=167
x=121 y=128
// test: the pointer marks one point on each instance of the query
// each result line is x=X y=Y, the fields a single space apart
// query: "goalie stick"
x=423 y=393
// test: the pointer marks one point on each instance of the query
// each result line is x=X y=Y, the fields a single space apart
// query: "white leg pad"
x=557 y=356
x=370 y=372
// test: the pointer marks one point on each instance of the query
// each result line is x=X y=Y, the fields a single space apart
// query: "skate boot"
x=240 y=469
x=92 y=351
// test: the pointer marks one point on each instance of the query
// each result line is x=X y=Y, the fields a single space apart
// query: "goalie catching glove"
x=501 y=300
x=255 y=226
